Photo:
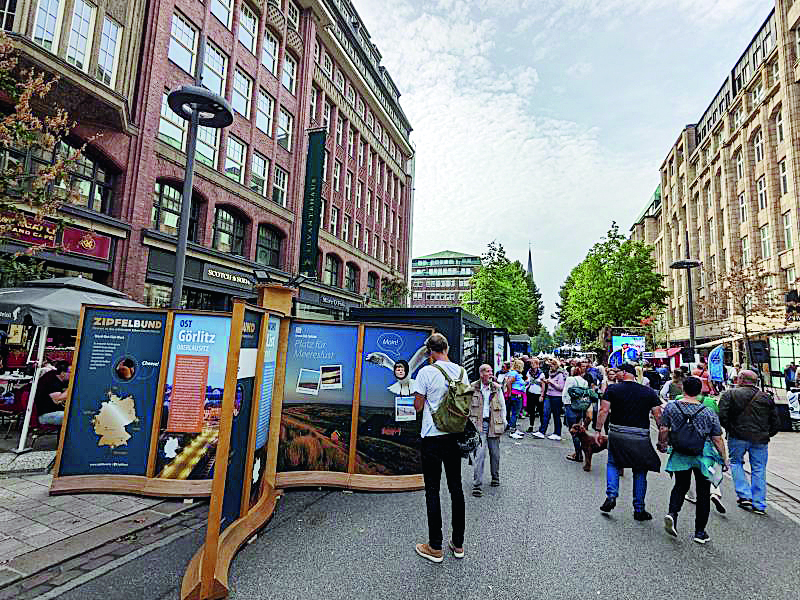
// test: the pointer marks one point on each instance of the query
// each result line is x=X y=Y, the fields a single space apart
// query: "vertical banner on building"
x=318 y=397
x=265 y=407
x=114 y=392
x=312 y=202
x=388 y=425
x=242 y=415
x=190 y=416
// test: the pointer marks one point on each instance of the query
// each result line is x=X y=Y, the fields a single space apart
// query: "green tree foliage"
x=543 y=342
x=394 y=294
x=616 y=285
x=504 y=295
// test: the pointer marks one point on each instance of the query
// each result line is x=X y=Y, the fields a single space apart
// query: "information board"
x=187 y=440
x=114 y=392
x=626 y=348
x=265 y=407
x=388 y=426
x=318 y=397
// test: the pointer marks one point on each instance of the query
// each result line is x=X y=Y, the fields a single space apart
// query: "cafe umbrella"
x=55 y=303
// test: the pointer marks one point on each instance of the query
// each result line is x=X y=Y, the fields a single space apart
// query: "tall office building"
x=441 y=279
x=731 y=181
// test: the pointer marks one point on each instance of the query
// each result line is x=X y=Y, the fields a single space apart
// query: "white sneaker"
x=538 y=434
x=554 y=437
x=516 y=435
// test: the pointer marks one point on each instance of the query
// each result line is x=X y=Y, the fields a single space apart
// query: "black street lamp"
x=200 y=107
x=688 y=264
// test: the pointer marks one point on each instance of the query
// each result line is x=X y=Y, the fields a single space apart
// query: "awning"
x=715 y=343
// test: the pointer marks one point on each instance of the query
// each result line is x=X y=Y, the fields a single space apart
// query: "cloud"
x=579 y=69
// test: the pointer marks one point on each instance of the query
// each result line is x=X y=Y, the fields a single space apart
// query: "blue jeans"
x=514 y=405
x=552 y=406
x=754 y=490
x=639 y=484
x=572 y=417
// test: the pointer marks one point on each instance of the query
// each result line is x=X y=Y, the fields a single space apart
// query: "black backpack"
x=685 y=438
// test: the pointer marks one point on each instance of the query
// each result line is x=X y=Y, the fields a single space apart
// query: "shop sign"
x=331 y=301
x=28 y=229
x=218 y=274
x=312 y=203
x=80 y=241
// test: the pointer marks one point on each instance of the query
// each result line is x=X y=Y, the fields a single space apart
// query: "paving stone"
x=55 y=515
x=12 y=592
x=34 y=593
x=45 y=539
x=65 y=577
x=34 y=529
x=8 y=576
x=39 y=578
x=97 y=562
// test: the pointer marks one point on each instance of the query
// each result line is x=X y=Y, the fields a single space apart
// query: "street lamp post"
x=688 y=264
x=200 y=107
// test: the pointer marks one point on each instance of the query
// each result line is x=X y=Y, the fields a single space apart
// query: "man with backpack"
x=440 y=389
x=750 y=418
x=690 y=427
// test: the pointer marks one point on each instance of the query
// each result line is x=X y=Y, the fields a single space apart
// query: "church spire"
x=530 y=262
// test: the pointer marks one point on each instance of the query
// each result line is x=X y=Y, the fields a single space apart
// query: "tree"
x=394 y=294
x=501 y=293
x=616 y=285
x=746 y=295
x=30 y=125
x=542 y=342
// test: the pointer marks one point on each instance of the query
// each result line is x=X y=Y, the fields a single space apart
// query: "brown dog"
x=589 y=444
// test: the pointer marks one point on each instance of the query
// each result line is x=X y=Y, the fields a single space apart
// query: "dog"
x=589 y=444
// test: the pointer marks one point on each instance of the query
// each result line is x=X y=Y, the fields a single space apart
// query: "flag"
x=716 y=364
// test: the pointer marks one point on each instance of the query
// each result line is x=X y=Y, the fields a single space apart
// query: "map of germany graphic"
x=110 y=422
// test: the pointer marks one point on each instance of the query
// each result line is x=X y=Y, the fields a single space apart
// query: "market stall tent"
x=50 y=303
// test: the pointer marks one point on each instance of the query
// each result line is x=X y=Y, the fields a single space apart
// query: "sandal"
x=574 y=458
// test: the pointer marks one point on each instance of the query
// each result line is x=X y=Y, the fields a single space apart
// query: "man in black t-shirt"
x=628 y=406
x=51 y=394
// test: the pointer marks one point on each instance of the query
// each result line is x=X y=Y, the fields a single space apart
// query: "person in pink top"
x=702 y=372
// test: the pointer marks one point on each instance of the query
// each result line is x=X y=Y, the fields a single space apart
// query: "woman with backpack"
x=694 y=434
x=515 y=388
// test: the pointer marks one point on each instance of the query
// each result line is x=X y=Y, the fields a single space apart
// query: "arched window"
x=228 y=232
x=739 y=165
x=333 y=267
x=351 y=278
x=268 y=246
x=166 y=214
x=372 y=285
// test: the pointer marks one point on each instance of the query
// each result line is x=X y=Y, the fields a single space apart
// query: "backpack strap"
x=446 y=376
x=691 y=416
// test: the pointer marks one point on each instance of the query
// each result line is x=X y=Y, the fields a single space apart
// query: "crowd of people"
x=690 y=412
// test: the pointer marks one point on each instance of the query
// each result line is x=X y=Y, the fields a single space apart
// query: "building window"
x=351 y=278
x=293 y=13
x=361 y=147
x=313 y=107
x=356 y=235
x=333 y=225
x=366 y=242
x=8 y=9
x=285 y=121
x=215 y=64
x=325 y=156
x=739 y=165
x=228 y=232
x=269 y=52
x=742 y=208
x=280 y=186
x=338 y=81
x=339 y=131
x=787 y=231
x=327 y=65
x=268 y=246
x=234 y=159
x=248 y=28
x=346 y=228
x=337 y=174
x=790 y=278
x=779 y=126
x=351 y=95
x=359 y=190
x=360 y=108
x=242 y=93
x=369 y=164
x=766 y=251
x=761 y=189
x=372 y=285
x=332 y=269
x=171 y=127
x=289 y=78
x=222 y=10
x=166 y=213
x=368 y=205
x=109 y=51
x=80 y=35
x=745 y=251
x=182 y=43
x=47 y=28
x=351 y=136
x=207 y=146
x=259 y=170
x=784 y=178
x=758 y=93
x=758 y=146
x=265 y=108
x=326 y=117
x=348 y=185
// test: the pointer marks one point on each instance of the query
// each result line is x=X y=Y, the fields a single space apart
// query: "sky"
x=542 y=121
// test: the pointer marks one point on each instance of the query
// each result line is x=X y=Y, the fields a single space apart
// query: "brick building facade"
x=285 y=67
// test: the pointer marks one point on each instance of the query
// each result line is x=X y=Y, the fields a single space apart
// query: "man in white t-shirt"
x=439 y=448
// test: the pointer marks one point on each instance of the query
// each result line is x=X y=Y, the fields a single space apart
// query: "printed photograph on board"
x=388 y=425
x=318 y=398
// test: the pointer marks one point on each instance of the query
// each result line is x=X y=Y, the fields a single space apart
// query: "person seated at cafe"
x=51 y=393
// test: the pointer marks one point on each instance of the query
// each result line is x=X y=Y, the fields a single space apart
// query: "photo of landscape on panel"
x=388 y=425
x=318 y=397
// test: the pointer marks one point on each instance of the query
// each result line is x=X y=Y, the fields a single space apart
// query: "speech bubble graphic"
x=390 y=343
